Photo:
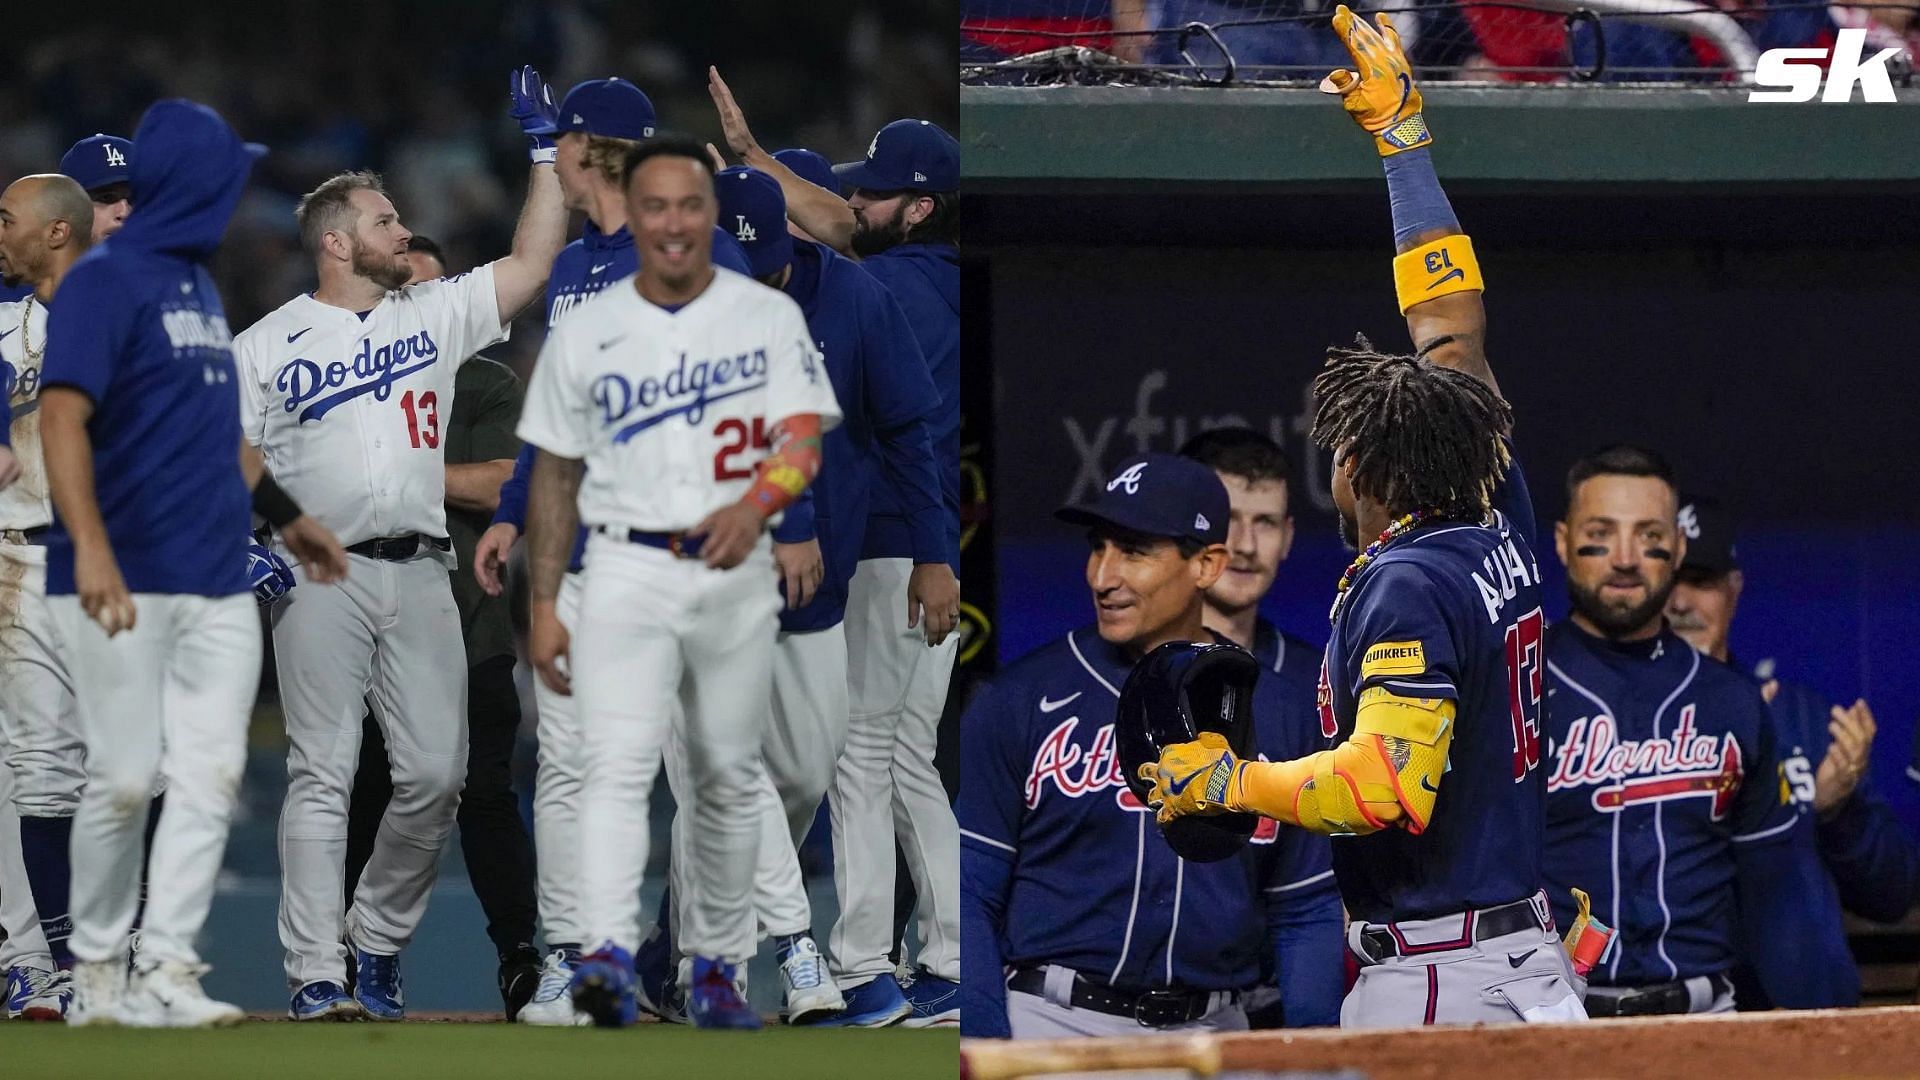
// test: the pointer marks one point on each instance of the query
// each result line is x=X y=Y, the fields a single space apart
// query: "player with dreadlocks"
x=1430 y=688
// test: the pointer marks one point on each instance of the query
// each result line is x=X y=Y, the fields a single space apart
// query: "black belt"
x=1662 y=999
x=395 y=548
x=25 y=536
x=1378 y=942
x=679 y=544
x=1152 y=1008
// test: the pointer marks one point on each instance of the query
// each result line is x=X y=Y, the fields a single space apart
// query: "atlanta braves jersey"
x=25 y=503
x=1450 y=610
x=1060 y=864
x=1664 y=802
x=1284 y=653
x=621 y=382
x=347 y=406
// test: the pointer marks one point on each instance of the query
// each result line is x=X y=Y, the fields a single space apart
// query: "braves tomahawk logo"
x=372 y=371
x=1626 y=772
x=1077 y=771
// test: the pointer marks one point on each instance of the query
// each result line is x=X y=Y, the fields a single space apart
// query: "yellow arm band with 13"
x=1387 y=773
x=1441 y=268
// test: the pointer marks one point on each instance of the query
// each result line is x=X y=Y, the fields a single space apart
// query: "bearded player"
x=1430 y=688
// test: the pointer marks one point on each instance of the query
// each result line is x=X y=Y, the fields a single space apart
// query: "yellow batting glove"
x=1191 y=777
x=1379 y=95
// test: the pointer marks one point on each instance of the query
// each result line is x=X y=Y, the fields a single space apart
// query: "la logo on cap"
x=744 y=233
x=1129 y=479
x=115 y=158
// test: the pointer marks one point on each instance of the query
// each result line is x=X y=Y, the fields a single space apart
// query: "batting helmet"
x=1176 y=692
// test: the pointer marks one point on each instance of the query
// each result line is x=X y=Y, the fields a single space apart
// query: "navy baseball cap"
x=811 y=166
x=1709 y=531
x=755 y=212
x=98 y=160
x=1159 y=495
x=614 y=108
x=906 y=154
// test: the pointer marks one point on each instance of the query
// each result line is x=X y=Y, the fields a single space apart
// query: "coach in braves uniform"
x=659 y=382
x=345 y=388
x=1663 y=793
x=1847 y=846
x=597 y=124
x=146 y=568
x=1079 y=919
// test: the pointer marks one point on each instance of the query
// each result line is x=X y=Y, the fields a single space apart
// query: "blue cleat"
x=324 y=1000
x=715 y=1001
x=376 y=985
x=878 y=1003
x=657 y=987
x=603 y=987
x=38 y=994
x=935 y=1001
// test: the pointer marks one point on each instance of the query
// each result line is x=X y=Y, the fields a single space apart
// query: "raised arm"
x=822 y=213
x=1434 y=270
x=542 y=229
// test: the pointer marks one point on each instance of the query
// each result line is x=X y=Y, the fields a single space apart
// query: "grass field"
x=428 y=1051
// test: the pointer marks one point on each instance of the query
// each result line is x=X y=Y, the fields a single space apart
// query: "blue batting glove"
x=269 y=575
x=533 y=109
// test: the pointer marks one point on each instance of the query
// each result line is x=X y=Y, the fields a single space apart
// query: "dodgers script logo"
x=1076 y=772
x=686 y=391
x=1684 y=765
x=304 y=381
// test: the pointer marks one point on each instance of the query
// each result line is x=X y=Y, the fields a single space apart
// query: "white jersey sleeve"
x=556 y=416
x=462 y=312
x=253 y=388
x=797 y=380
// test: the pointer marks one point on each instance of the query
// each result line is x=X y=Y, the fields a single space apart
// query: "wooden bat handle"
x=997 y=1059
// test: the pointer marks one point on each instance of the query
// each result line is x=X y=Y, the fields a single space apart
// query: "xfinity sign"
x=1798 y=72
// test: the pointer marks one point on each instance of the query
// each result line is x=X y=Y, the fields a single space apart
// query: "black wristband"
x=274 y=504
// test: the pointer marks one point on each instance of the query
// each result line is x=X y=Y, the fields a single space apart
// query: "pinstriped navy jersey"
x=1450 y=610
x=1071 y=864
x=1662 y=776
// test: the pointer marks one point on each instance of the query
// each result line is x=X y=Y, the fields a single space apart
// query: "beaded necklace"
x=1393 y=532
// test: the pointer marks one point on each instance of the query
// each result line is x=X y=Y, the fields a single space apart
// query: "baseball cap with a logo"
x=614 y=108
x=1159 y=495
x=755 y=212
x=811 y=166
x=98 y=161
x=906 y=154
x=1709 y=529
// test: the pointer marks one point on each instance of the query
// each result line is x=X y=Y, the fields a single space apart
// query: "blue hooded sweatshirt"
x=140 y=330
x=925 y=278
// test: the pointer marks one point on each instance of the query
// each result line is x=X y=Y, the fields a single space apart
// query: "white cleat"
x=167 y=994
x=99 y=994
x=809 y=994
x=552 y=1004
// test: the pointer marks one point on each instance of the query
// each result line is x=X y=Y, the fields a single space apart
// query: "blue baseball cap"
x=1159 y=495
x=811 y=166
x=906 y=154
x=614 y=108
x=755 y=212
x=98 y=160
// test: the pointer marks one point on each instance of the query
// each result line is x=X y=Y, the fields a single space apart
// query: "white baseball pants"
x=389 y=632
x=24 y=945
x=652 y=628
x=557 y=840
x=37 y=722
x=885 y=785
x=168 y=700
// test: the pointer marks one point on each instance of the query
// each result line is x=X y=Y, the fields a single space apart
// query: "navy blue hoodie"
x=140 y=330
x=925 y=278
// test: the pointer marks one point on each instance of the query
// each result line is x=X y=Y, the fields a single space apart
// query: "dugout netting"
x=1510 y=42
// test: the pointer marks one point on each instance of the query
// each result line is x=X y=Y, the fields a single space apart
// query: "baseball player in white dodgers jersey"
x=146 y=569
x=692 y=400
x=45 y=226
x=344 y=391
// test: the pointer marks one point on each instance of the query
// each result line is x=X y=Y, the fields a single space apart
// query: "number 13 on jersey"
x=1524 y=662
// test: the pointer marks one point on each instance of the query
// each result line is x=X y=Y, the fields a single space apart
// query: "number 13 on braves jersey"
x=671 y=408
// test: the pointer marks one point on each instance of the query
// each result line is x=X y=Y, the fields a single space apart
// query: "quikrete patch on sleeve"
x=1394 y=658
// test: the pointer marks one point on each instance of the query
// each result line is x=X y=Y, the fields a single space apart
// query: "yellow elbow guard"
x=1387 y=773
x=1441 y=268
